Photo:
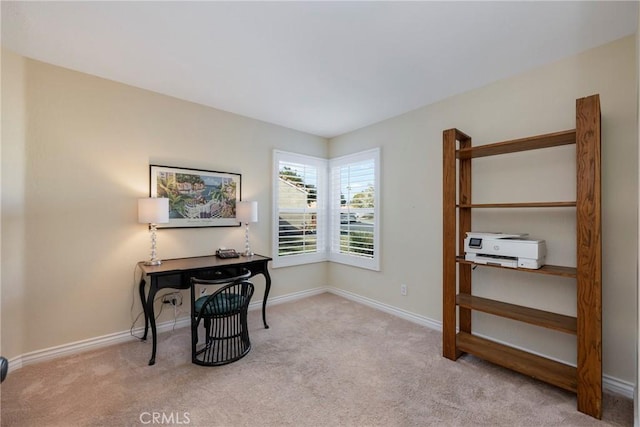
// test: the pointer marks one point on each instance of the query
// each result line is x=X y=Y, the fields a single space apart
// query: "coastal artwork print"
x=197 y=198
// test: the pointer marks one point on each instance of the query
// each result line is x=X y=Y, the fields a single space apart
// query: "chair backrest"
x=231 y=299
x=224 y=279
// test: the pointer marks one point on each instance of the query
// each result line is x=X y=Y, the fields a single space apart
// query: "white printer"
x=506 y=250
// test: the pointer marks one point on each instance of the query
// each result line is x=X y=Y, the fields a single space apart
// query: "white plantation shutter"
x=326 y=210
x=299 y=209
x=354 y=209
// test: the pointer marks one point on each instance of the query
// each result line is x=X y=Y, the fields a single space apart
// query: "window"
x=326 y=209
x=299 y=209
x=354 y=207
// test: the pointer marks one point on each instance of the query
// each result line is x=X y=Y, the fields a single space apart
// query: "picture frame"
x=197 y=198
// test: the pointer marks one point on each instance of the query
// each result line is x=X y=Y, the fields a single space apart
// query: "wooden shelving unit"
x=458 y=301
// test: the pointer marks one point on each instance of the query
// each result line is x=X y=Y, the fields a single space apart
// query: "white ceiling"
x=325 y=68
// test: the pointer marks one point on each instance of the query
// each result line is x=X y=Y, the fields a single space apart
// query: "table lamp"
x=247 y=212
x=153 y=211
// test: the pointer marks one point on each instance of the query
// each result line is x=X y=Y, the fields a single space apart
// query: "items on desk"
x=227 y=253
x=247 y=212
x=153 y=211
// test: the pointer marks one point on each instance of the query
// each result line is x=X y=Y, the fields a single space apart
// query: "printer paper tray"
x=502 y=261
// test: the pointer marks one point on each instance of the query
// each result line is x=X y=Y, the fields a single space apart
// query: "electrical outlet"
x=174 y=298
x=403 y=289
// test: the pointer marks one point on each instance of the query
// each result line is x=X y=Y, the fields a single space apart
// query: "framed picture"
x=197 y=198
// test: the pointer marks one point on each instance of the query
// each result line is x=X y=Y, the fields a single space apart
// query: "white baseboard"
x=618 y=386
x=412 y=317
x=125 y=336
x=91 y=344
x=611 y=384
x=288 y=298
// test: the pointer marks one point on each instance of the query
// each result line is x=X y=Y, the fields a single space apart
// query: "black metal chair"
x=4 y=368
x=224 y=314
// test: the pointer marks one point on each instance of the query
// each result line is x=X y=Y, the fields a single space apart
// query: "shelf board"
x=541 y=368
x=520 y=205
x=555 y=139
x=553 y=270
x=545 y=319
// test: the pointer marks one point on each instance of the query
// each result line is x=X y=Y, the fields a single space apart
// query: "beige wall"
x=536 y=102
x=12 y=227
x=75 y=156
x=636 y=404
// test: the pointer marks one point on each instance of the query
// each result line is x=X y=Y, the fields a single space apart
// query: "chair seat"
x=220 y=304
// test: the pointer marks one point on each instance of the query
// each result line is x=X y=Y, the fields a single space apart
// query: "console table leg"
x=152 y=361
x=144 y=309
x=152 y=320
x=266 y=295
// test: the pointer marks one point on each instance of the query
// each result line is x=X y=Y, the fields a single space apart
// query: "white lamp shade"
x=153 y=210
x=247 y=211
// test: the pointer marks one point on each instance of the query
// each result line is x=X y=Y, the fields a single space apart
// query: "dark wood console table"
x=177 y=274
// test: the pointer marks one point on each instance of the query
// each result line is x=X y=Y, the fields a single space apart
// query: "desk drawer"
x=210 y=274
x=170 y=281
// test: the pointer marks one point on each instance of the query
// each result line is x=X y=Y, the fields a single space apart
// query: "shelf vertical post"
x=464 y=225
x=449 y=349
x=589 y=256
x=453 y=240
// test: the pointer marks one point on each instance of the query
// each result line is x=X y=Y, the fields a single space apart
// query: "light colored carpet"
x=325 y=361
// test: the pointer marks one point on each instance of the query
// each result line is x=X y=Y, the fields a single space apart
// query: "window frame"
x=320 y=254
x=328 y=210
x=335 y=211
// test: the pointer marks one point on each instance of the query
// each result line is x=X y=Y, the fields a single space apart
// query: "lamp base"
x=153 y=262
x=247 y=254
